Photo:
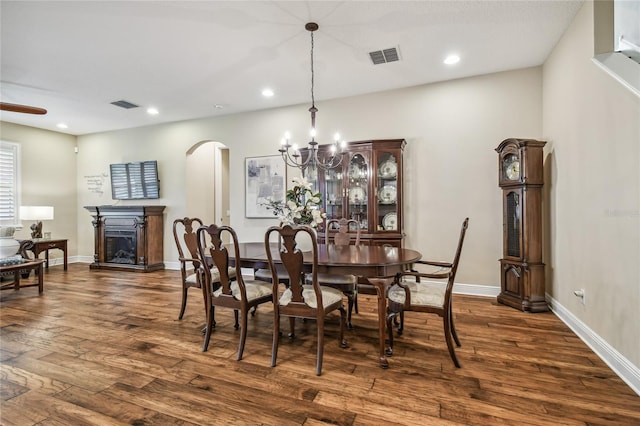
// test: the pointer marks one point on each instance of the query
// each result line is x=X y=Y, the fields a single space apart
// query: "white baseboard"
x=628 y=372
x=173 y=266
x=476 y=290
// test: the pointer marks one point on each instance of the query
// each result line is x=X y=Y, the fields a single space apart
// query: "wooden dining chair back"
x=339 y=232
x=300 y=299
x=184 y=234
x=234 y=292
x=262 y=272
x=429 y=292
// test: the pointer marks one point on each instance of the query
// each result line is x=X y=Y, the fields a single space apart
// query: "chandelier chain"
x=313 y=99
x=310 y=161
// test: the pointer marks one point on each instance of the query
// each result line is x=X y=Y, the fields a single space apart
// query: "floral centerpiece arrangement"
x=302 y=206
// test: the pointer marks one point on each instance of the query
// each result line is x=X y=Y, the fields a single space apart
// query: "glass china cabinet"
x=366 y=187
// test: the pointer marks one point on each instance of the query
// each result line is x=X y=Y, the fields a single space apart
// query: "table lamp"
x=37 y=213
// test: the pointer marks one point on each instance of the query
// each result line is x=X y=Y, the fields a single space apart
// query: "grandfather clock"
x=520 y=175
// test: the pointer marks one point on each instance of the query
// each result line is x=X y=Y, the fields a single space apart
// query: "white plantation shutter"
x=9 y=183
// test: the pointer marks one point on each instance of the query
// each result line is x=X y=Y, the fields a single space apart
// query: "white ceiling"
x=184 y=57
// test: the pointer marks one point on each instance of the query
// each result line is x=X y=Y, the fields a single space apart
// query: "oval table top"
x=367 y=261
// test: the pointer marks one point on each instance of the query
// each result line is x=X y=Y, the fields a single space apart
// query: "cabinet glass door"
x=387 y=192
x=334 y=190
x=357 y=194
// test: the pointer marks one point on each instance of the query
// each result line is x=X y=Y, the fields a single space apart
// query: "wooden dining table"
x=376 y=265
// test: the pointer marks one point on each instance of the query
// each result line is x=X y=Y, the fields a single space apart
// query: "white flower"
x=302 y=205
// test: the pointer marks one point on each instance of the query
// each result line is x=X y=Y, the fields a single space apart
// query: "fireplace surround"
x=128 y=237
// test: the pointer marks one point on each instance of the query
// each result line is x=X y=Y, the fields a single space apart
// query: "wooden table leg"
x=380 y=286
x=16 y=280
x=39 y=271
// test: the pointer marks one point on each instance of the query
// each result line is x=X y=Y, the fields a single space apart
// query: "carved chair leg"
x=208 y=328
x=343 y=342
x=253 y=312
x=453 y=329
x=320 y=346
x=448 y=339
x=184 y=302
x=292 y=327
x=351 y=296
x=276 y=336
x=235 y=315
x=243 y=333
x=213 y=319
x=400 y=324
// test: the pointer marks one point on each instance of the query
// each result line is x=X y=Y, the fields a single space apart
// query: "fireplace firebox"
x=120 y=246
x=128 y=237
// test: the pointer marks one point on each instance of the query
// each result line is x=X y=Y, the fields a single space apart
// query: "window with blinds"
x=9 y=183
x=134 y=181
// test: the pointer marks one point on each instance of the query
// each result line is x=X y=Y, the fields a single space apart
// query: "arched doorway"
x=207 y=182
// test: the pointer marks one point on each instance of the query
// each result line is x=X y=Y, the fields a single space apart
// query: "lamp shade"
x=36 y=212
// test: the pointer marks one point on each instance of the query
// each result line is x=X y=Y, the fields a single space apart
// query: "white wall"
x=48 y=175
x=451 y=129
x=592 y=125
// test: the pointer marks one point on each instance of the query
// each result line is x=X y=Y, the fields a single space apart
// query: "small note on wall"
x=95 y=183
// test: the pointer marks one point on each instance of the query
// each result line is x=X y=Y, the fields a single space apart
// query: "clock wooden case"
x=520 y=175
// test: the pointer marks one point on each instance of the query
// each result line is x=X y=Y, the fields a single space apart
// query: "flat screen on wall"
x=135 y=181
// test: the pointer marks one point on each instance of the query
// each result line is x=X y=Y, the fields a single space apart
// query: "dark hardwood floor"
x=102 y=348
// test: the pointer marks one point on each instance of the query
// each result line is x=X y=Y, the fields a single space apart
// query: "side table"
x=44 y=245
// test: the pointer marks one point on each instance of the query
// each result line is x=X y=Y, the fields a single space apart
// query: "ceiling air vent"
x=124 y=104
x=384 y=56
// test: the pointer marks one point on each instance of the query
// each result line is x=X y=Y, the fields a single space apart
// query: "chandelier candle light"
x=291 y=153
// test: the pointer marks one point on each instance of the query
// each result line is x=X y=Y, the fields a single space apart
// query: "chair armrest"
x=25 y=245
x=416 y=274
x=435 y=263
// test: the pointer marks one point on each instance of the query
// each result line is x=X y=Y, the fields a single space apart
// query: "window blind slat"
x=9 y=174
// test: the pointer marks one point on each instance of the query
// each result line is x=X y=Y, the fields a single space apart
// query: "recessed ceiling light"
x=452 y=59
x=218 y=106
x=62 y=126
x=152 y=111
x=267 y=93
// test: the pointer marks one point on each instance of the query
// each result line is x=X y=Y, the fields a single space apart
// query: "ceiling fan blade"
x=22 y=108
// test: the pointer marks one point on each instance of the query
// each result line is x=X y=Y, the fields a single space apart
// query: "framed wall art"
x=265 y=180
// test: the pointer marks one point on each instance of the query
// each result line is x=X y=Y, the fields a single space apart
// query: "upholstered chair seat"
x=215 y=275
x=254 y=290
x=421 y=294
x=329 y=296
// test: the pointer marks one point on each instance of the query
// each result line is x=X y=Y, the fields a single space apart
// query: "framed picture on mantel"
x=265 y=180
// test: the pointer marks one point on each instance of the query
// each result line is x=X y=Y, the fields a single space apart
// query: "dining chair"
x=298 y=299
x=262 y=272
x=338 y=233
x=239 y=294
x=410 y=293
x=184 y=233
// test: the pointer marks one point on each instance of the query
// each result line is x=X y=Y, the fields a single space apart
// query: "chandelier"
x=291 y=152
